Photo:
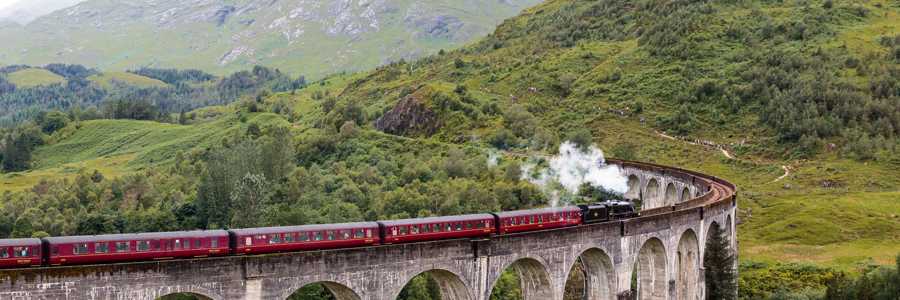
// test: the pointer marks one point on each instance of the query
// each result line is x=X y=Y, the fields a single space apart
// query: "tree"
x=52 y=121
x=582 y=138
x=718 y=262
x=520 y=121
x=277 y=147
x=248 y=197
x=224 y=167
x=17 y=152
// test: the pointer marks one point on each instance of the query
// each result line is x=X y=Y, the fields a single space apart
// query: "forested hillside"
x=798 y=103
x=142 y=94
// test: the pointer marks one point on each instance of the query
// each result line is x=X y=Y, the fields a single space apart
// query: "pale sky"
x=5 y=3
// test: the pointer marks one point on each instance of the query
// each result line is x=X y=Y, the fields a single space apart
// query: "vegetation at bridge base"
x=806 y=281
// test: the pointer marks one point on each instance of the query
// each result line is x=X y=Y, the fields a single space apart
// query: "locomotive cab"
x=620 y=209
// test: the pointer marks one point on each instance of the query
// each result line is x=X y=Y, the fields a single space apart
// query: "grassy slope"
x=107 y=79
x=803 y=222
x=120 y=147
x=33 y=77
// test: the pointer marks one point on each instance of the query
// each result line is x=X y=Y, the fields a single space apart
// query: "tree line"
x=185 y=90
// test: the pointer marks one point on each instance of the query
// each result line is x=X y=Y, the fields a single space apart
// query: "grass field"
x=34 y=77
x=107 y=79
x=121 y=147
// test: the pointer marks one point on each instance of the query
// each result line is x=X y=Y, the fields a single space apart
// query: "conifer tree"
x=719 y=264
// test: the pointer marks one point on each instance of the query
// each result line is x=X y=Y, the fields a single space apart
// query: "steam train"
x=114 y=248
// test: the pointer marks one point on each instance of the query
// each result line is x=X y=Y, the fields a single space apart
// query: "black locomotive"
x=607 y=211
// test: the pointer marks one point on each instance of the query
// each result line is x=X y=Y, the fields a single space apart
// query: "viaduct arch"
x=665 y=243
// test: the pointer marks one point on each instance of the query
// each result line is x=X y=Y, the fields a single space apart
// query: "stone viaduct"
x=664 y=246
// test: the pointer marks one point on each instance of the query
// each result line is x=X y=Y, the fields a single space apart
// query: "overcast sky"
x=5 y=3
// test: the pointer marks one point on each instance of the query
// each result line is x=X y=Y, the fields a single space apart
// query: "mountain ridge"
x=309 y=37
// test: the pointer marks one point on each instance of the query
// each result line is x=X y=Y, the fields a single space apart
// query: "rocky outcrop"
x=409 y=117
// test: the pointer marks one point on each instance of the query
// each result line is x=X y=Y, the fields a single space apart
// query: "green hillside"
x=31 y=77
x=106 y=80
x=794 y=102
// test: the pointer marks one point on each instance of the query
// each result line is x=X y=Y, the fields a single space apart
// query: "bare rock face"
x=409 y=117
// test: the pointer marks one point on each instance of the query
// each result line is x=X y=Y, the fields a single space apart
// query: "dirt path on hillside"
x=698 y=142
x=787 y=172
x=722 y=148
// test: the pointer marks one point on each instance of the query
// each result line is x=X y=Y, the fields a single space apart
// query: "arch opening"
x=671 y=194
x=184 y=296
x=685 y=194
x=651 y=197
x=592 y=277
x=526 y=279
x=324 y=290
x=634 y=188
x=687 y=266
x=651 y=280
x=435 y=284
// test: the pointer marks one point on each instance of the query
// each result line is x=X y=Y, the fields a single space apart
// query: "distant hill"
x=309 y=37
x=26 y=91
x=23 y=12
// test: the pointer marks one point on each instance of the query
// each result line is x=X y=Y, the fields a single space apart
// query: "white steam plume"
x=573 y=167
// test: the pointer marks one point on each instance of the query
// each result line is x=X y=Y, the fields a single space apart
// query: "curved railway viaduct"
x=664 y=246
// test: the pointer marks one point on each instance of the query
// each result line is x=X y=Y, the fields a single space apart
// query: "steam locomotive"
x=114 y=248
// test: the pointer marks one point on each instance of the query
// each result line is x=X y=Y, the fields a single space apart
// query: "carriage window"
x=197 y=244
x=532 y=219
x=80 y=249
x=275 y=239
x=101 y=248
x=21 y=251
x=403 y=230
x=214 y=243
x=424 y=228
x=143 y=246
x=414 y=229
x=458 y=226
x=469 y=225
x=4 y=253
x=319 y=236
x=360 y=233
x=177 y=244
x=448 y=227
x=331 y=235
x=289 y=237
x=123 y=246
x=436 y=227
x=480 y=225
x=368 y=233
x=187 y=244
x=345 y=234
x=304 y=236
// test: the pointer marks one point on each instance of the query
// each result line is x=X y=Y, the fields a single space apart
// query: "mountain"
x=23 y=12
x=309 y=37
x=794 y=102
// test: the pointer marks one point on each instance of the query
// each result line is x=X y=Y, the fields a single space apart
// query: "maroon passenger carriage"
x=306 y=237
x=74 y=250
x=17 y=253
x=538 y=219
x=437 y=228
